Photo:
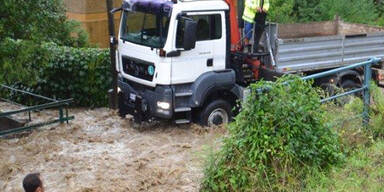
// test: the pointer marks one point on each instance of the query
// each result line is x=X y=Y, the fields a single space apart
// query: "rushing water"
x=99 y=151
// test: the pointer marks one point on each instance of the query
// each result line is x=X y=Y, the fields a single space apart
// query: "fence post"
x=61 y=115
x=367 y=95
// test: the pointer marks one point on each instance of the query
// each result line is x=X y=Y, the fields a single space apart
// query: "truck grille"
x=138 y=68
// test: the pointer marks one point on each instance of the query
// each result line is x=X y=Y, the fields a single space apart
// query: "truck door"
x=191 y=64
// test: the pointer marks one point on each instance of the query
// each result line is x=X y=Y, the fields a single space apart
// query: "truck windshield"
x=145 y=29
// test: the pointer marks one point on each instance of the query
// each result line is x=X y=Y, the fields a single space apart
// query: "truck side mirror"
x=189 y=40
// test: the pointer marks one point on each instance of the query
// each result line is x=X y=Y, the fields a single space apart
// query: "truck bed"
x=323 y=45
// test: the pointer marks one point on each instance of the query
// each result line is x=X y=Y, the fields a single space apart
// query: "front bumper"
x=142 y=102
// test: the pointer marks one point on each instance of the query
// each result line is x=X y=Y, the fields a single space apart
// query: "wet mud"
x=99 y=151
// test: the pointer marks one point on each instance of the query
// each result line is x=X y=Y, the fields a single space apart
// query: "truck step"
x=184 y=94
x=182 y=109
x=182 y=121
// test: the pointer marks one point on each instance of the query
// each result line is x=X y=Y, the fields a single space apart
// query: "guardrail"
x=50 y=103
x=365 y=88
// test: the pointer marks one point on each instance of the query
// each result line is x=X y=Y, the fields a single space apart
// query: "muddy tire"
x=349 y=85
x=216 y=113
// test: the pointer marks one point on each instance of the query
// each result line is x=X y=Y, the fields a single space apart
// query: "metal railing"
x=49 y=103
x=364 y=89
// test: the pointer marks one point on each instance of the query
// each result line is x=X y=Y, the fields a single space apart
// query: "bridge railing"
x=365 y=89
x=44 y=104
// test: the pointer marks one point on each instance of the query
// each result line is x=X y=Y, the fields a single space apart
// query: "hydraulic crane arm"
x=235 y=32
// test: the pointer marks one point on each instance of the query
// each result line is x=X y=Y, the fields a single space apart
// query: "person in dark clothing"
x=32 y=183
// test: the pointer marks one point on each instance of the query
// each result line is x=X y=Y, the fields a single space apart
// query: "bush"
x=57 y=71
x=40 y=20
x=278 y=137
x=358 y=11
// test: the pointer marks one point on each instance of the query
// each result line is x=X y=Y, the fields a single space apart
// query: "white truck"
x=181 y=60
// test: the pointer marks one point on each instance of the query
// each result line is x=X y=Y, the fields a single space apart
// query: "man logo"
x=151 y=70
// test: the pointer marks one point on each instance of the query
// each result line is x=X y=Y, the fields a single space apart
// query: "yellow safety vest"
x=251 y=9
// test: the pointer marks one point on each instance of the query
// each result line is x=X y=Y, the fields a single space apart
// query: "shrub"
x=57 y=71
x=277 y=138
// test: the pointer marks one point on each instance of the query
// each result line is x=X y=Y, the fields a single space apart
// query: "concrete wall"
x=93 y=16
x=288 y=31
x=351 y=28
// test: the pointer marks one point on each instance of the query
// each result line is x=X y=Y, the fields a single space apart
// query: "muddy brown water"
x=98 y=151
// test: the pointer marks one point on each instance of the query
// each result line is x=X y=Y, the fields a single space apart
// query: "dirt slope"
x=99 y=151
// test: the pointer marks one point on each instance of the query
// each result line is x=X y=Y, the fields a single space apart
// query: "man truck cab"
x=173 y=61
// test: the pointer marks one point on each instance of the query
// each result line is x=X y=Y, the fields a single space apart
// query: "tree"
x=357 y=11
x=39 y=20
x=380 y=10
x=307 y=10
x=282 y=11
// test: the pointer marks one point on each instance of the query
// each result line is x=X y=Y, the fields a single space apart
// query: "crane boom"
x=234 y=25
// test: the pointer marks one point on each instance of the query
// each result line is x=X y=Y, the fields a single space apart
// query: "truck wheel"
x=349 y=85
x=216 y=113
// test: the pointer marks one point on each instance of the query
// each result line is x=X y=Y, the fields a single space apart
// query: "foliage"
x=363 y=171
x=278 y=137
x=377 y=112
x=39 y=20
x=57 y=71
x=282 y=11
x=307 y=10
x=380 y=8
x=358 y=11
x=20 y=61
x=347 y=122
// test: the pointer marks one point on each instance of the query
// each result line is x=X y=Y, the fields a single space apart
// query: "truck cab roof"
x=201 y=5
x=165 y=7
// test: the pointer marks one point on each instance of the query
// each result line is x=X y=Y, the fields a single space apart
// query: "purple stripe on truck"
x=161 y=7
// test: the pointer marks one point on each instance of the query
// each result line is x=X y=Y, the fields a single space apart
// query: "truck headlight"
x=163 y=105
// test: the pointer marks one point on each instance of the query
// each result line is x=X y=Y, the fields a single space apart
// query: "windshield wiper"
x=142 y=28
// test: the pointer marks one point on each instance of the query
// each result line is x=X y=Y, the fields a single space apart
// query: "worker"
x=254 y=10
x=33 y=183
